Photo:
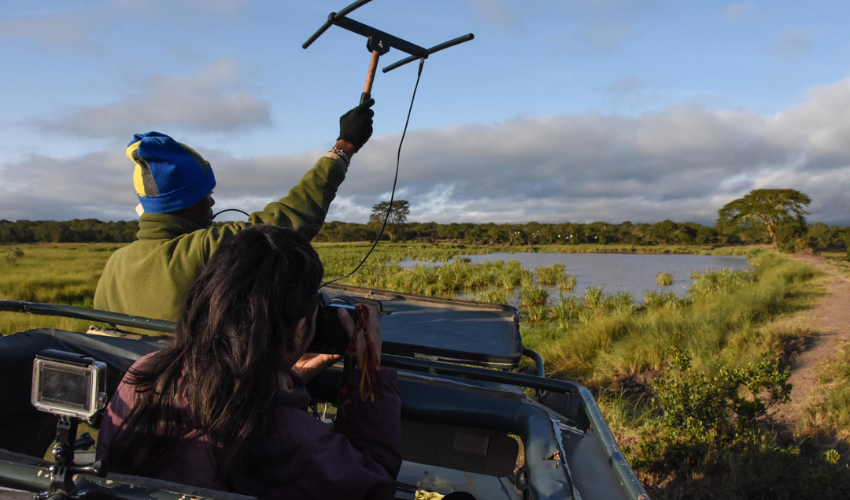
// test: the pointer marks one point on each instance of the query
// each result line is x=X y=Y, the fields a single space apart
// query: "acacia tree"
x=398 y=216
x=768 y=207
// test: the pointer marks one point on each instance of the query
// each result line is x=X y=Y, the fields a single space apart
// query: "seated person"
x=220 y=407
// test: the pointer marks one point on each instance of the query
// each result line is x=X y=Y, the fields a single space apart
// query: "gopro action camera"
x=68 y=384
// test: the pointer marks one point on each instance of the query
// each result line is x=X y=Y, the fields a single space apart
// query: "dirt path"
x=830 y=320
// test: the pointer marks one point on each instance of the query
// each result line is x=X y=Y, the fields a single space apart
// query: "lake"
x=630 y=273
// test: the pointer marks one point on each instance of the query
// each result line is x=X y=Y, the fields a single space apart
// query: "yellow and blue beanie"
x=169 y=176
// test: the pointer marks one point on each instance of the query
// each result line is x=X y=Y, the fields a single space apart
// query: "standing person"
x=220 y=408
x=151 y=276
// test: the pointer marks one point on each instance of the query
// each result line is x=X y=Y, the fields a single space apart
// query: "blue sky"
x=567 y=110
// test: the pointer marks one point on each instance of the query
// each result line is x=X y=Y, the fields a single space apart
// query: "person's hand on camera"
x=311 y=364
x=372 y=325
x=355 y=126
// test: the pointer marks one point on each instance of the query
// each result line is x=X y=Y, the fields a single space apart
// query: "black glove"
x=355 y=127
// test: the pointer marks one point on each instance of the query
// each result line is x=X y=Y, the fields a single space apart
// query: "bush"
x=708 y=421
x=664 y=279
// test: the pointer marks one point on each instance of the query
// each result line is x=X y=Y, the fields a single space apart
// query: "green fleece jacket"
x=151 y=276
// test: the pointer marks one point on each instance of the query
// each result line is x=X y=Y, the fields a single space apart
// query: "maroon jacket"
x=305 y=457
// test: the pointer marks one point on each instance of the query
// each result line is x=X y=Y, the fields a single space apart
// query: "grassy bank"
x=729 y=321
x=686 y=385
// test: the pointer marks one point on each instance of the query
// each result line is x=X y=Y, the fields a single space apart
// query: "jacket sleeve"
x=364 y=463
x=303 y=209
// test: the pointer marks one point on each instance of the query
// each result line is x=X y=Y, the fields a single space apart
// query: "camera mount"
x=73 y=387
x=379 y=43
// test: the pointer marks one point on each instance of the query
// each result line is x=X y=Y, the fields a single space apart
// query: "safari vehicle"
x=470 y=421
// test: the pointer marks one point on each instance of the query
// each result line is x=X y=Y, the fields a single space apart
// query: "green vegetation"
x=549 y=275
x=771 y=208
x=70 y=231
x=55 y=274
x=395 y=219
x=598 y=237
x=685 y=383
x=664 y=279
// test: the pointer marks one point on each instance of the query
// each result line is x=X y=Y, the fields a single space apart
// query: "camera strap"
x=367 y=380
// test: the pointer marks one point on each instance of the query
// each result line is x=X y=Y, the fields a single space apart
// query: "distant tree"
x=397 y=217
x=768 y=207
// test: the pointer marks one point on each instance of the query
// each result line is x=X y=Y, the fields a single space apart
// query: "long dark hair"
x=223 y=363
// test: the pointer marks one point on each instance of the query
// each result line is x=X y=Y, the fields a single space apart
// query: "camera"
x=331 y=337
x=68 y=384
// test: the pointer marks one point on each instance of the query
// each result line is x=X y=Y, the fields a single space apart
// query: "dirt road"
x=829 y=320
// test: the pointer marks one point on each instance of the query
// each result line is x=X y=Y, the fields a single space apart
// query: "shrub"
x=664 y=279
x=703 y=418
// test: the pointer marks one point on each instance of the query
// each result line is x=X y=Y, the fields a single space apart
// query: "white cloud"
x=215 y=98
x=681 y=164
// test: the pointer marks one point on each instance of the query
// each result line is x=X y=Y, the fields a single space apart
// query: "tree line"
x=570 y=233
x=67 y=231
x=775 y=216
x=531 y=233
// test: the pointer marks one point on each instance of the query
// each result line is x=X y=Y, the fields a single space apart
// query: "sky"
x=558 y=110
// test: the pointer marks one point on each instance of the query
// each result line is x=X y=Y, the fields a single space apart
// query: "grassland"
x=734 y=329
x=62 y=273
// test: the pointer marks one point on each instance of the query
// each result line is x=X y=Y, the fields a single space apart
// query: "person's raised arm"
x=305 y=207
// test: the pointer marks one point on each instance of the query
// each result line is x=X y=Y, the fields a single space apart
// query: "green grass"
x=733 y=319
x=664 y=279
x=726 y=322
x=62 y=273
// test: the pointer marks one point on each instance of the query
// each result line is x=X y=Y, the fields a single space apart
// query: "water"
x=614 y=273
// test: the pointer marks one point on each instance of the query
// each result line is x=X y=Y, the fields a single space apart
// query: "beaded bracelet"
x=342 y=154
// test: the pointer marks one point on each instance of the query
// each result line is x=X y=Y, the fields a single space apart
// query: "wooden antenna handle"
x=370 y=77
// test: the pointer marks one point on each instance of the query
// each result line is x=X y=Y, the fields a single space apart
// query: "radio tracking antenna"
x=379 y=43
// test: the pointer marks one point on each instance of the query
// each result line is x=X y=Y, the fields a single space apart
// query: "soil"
x=829 y=324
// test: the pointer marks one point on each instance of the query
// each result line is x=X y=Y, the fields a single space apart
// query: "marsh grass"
x=725 y=321
x=664 y=279
x=533 y=296
x=549 y=275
